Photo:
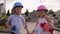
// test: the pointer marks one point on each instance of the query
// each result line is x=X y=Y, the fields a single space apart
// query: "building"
x=2 y=10
x=57 y=13
x=33 y=16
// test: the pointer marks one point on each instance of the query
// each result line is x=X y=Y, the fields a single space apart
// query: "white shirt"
x=38 y=29
x=16 y=20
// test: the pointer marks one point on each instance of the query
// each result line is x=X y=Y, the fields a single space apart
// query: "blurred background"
x=30 y=12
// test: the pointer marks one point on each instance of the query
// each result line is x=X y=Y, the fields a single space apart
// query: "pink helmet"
x=42 y=7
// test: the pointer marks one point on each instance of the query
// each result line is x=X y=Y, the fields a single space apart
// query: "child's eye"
x=18 y=9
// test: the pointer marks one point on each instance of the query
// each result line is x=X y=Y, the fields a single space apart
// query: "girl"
x=44 y=24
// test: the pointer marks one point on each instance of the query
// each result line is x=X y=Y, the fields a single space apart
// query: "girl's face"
x=41 y=13
x=18 y=10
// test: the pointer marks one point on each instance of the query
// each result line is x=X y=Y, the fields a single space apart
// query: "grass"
x=58 y=25
x=2 y=28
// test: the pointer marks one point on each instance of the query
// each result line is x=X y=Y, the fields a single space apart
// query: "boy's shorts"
x=13 y=33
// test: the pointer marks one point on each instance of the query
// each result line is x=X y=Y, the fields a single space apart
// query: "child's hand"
x=9 y=29
x=28 y=32
x=32 y=32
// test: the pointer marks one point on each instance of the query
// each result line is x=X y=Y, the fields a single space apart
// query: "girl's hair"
x=43 y=10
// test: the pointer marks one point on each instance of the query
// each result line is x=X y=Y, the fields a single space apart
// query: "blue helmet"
x=18 y=4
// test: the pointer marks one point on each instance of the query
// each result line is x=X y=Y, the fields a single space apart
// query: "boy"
x=16 y=20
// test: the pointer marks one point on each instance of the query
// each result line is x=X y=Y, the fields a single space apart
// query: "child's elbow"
x=7 y=23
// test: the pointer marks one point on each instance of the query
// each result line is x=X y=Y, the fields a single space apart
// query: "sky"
x=33 y=4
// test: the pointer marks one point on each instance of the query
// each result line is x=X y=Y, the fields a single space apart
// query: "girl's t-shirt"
x=38 y=28
x=43 y=20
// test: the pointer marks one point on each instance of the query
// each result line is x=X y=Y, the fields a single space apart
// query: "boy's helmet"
x=18 y=4
x=42 y=7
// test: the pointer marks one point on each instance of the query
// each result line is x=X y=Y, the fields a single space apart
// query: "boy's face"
x=41 y=13
x=18 y=10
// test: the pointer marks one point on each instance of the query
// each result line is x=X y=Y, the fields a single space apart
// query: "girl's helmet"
x=42 y=7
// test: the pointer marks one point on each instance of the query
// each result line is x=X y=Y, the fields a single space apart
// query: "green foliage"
x=58 y=21
x=27 y=12
x=58 y=26
x=3 y=18
x=51 y=12
x=54 y=15
x=8 y=13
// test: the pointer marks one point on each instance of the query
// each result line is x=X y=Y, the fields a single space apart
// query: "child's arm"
x=33 y=32
x=34 y=29
x=27 y=31
x=25 y=26
x=51 y=23
x=8 y=23
x=8 y=26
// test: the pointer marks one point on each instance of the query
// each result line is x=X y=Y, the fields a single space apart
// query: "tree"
x=54 y=15
x=27 y=12
x=8 y=13
x=51 y=12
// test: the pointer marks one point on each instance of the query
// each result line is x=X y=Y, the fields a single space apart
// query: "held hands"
x=29 y=32
x=32 y=32
x=25 y=27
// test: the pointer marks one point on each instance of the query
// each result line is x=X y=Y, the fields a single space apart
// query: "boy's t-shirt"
x=16 y=20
